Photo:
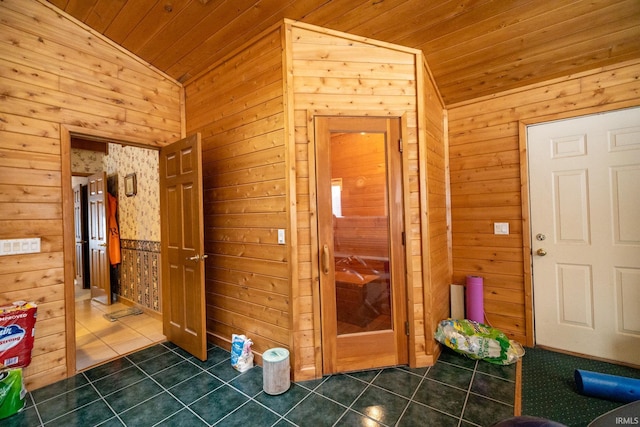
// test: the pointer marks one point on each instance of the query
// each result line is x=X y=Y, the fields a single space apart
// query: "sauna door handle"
x=325 y=259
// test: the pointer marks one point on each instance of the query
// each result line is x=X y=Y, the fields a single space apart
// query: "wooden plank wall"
x=54 y=73
x=338 y=75
x=437 y=242
x=237 y=105
x=487 y=186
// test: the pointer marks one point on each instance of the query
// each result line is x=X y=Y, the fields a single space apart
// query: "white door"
x=585 y=222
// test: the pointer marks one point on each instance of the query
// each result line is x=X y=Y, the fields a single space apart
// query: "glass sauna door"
x=360 y=242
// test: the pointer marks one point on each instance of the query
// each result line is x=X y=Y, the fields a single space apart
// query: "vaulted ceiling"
x=473 y=47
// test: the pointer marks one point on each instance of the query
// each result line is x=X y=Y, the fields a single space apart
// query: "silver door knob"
x=197 y=257
x=541 y=252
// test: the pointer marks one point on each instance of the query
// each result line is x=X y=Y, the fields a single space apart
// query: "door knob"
x=102 y=244
x=197 y=257
x=541 y=252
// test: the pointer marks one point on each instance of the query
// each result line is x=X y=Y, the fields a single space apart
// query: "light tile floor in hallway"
x=164 y=386
x=99 y=339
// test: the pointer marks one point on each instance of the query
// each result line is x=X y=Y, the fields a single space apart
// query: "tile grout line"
x=404 y=411
x=75 y=409
x=103 y=400
x=133 y=365
x=33 y=401
x=491 y=399
x=466 y=398
x=311 y=391
x=46 y=401
x=166 y=390
x=432 y=407
x=369 y=384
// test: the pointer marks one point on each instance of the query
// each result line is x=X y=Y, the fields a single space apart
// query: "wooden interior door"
x=183 y=258
x=81 y=262
x=98 y=238
x=360 y=228
x=585 y=223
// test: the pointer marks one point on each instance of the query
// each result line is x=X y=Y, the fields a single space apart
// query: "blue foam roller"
x=612 y=387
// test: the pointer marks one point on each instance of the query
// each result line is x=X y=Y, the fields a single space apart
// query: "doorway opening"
x=125 y=315
x=361 y=245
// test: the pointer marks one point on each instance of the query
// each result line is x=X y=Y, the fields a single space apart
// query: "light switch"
x=19 y=246
x=281 y=240
x=500 y=228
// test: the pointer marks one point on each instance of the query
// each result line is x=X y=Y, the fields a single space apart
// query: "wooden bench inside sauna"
x=362 y=272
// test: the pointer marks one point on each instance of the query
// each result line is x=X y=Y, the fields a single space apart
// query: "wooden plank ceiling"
x=473 y=47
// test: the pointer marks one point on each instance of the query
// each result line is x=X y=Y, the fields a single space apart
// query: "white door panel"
x=585 y=218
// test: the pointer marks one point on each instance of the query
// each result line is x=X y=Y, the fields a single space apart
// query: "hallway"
x=99 y=340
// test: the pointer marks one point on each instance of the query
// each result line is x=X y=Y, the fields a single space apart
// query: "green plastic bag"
x=12 y=392
x=478 y=341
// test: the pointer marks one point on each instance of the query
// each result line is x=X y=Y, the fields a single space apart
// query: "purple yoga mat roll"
x=475 y=299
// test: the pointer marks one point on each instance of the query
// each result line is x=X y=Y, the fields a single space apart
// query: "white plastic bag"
x=478 y=341
x=241 y=354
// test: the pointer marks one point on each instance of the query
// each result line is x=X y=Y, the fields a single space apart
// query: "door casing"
x=526 y=223
x=66 y=134
x=338 y=353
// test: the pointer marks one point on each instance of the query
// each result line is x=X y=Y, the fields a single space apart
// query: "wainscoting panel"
x=140 y=273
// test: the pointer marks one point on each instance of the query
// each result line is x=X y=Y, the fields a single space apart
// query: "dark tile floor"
x=164 y=386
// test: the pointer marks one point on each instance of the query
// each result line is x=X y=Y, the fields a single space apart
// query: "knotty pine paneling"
x=55 y=74
x=238 y=107
x=434 y=171
x=474 y=48
x=487 y=187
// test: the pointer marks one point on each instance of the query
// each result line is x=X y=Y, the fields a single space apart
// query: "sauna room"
x=310 y=203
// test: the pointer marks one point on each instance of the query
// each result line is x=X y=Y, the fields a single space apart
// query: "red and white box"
x=17 y=332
